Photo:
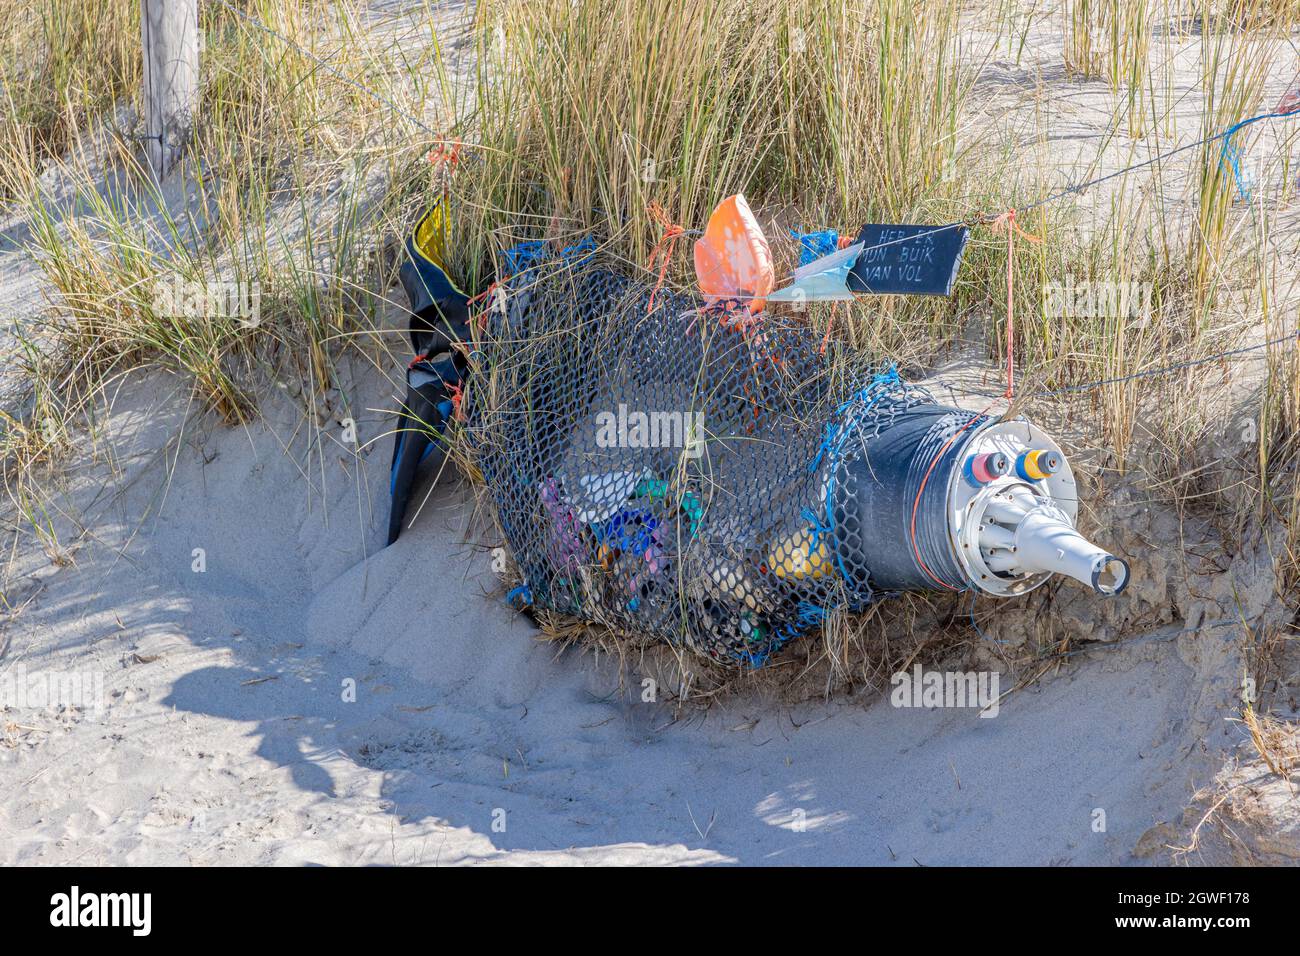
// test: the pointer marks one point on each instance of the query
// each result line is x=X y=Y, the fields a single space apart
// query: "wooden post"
x=170 y=33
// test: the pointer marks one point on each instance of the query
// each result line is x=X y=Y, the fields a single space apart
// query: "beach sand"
x=227 y=732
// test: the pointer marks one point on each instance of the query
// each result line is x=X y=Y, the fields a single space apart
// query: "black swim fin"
x=421 y=425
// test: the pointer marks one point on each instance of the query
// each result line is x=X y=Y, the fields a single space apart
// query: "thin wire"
x=974 y=596
x=1081 y=187
x=1134 y=641
x=1150 y=373
x=1069 y=190
x=1192 y=363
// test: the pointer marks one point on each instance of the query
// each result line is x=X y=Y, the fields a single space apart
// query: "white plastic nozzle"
x=1045 y=540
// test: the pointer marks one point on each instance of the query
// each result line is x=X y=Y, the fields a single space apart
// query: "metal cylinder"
x=891 y=525
x=931 y=502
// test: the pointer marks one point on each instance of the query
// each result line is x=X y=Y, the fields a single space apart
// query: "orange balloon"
x=733 y=259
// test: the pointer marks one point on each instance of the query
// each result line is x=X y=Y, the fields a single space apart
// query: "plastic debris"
x=815 y=245
x=801 y=502
x=732 y=258
x=822 y=280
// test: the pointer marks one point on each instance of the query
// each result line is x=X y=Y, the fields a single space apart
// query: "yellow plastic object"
x=730 y=582
x=431 y=236
x=1032 y=468
x=732 y=258
x=797 y=559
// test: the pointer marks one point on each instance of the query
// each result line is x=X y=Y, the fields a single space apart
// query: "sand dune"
x=225 y=736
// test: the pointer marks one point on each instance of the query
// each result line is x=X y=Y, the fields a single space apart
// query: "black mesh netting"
x=675 y=472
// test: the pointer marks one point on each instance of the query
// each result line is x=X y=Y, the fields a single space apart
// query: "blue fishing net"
x=677 y=471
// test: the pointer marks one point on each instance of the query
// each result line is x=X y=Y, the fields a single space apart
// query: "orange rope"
x=663 y=249
x=1005 y=221
x=830 y=324
x=457 y=395
x=487 y=293
x=445 y=154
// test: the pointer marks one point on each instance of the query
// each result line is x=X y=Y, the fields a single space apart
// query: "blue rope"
x=1231 y=155
x=523 y=255
x=583 y=250
x=815 y=245
x=818 y=529
x=810 y=614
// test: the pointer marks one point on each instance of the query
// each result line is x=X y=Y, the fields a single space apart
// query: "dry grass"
x=590 y=111
x=61 y=61
x=1246 y=817
x=273 y=194
x=1277 y=742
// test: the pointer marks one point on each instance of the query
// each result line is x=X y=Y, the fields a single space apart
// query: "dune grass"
x=62 y=61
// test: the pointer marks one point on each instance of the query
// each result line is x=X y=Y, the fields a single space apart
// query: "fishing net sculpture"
x=695 y=469
x=657 y=468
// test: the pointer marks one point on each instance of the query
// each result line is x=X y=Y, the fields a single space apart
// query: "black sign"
x=907 y=260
